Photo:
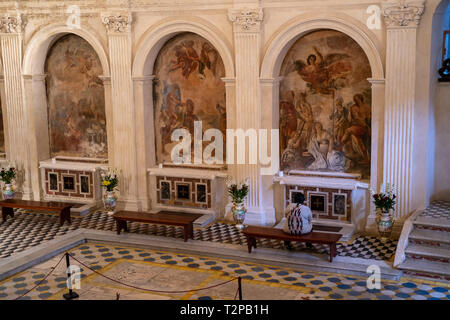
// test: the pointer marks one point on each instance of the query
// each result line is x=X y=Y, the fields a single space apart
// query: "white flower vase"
x=110 y=201
x=239 y=211
x=8 y=192
x=385 y=222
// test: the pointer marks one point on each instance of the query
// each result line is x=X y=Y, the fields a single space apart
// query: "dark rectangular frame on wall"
x=162 y=191
x=444 y=71
x=70 y=176
x=83 y=184
x=446 y=45
x=54 y=174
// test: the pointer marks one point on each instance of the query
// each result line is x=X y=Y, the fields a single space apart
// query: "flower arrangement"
x=8 y=174
x=385 y=199
x=110 y=180
x=238 y=191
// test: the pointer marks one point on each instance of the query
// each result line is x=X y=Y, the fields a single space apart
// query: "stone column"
x=17 y=118
x=377 y=146
x=247 y=42
x=145 y=135
x=402 y=19
x=123 y=112
x=109 y=118
x=270 y=90
x=38 y=139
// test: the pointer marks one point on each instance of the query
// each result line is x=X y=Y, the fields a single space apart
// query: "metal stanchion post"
x=71 y=295
x=240 y=287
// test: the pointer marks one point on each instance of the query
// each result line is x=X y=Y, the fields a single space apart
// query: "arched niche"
x=187 y=87
x=325 y=105
x=274 y=53
x=75 y=100
x=36 y=103
x=148 y=48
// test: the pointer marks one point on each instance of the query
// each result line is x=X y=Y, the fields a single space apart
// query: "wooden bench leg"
x=288 y=245
x=333 y=251
x=7 y=212
x=187 y=232
x=121 y=224
x=64 y=215
x=249 y=244
x=191 y=230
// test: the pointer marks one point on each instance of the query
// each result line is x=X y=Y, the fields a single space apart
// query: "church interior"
x=178 y=150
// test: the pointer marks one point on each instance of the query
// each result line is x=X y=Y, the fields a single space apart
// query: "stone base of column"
x=130 y=205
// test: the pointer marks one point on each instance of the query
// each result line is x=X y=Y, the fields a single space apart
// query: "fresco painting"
x=187 y=88
x=325 y=105
x=76 y=100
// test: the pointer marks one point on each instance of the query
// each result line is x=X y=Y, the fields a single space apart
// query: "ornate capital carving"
x=403 y=13
x=11 y=24
x=246 y=19
x=119 y=23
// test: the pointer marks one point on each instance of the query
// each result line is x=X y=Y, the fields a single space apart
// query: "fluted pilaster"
x=118 y=27
x=402 y=18
x=11 y=46
x=247 y=37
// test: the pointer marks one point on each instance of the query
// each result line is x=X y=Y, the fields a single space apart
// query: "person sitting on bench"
x=298 y=218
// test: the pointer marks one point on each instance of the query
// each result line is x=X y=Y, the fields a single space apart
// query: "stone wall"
x=252 y=38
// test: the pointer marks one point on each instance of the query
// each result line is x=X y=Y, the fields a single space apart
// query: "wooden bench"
x=62 y=208
x=185 y=220
x=253 y=232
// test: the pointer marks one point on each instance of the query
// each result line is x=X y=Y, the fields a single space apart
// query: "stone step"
x=431 y=269
x=431 y=236
x=417 y=251
x=440 y=224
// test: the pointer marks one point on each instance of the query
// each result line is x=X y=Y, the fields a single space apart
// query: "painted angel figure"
x=321 y=72
x=208 y=59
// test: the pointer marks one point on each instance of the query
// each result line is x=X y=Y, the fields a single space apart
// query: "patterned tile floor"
x=26 y=230
x=437 y=210
x=162 y=270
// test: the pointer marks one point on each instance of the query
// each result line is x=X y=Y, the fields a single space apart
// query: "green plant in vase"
x=238 y=192
x=7 y=176
x=110 y=181
x=384 y=202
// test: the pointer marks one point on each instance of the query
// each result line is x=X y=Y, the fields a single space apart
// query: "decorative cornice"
x=247 y=20
x=11 y=23
x=403 y=13
x=119 y=23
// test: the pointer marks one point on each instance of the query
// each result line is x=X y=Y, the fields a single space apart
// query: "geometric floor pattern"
x=437 y=210
x=26 y=230
x=163 y=270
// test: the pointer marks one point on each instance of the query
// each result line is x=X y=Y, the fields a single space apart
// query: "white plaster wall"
x=441 y=185
x=429 y=39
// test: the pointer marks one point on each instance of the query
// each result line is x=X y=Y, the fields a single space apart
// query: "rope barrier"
x=39 y=283
x=150 y=290
x=127 y=285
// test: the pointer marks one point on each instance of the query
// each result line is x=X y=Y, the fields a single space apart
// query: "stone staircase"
x=427 y=253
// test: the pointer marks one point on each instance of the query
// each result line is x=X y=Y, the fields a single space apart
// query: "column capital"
x=143 y=78
x=246 y=20
x=117 y=23
x=403 y=13
x=374 y=81
x=105 y=79
x=11 y=23
x=270 y=81
x=35 y=77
